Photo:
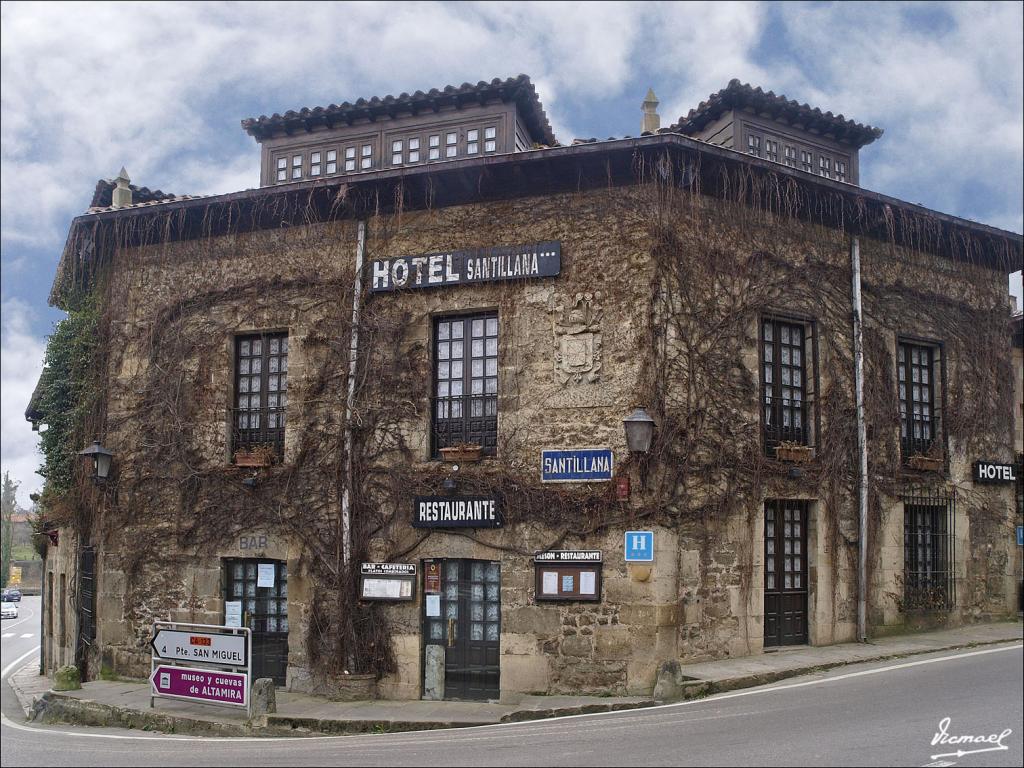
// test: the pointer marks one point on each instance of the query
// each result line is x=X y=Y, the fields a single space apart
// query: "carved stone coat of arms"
x=577 y=333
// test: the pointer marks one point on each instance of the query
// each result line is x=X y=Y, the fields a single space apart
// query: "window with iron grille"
x=928 y=536
x=784 y=383
x=465 y=402
x=261 y=391
x=918 y=423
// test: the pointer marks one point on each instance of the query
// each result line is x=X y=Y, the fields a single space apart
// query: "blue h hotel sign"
x=639 y=546
x=579 y=465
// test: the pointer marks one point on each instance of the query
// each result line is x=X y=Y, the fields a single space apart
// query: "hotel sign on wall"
x=994 y=472
x=482 y=265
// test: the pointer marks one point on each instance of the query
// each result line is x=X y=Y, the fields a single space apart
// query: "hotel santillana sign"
x=482 y=265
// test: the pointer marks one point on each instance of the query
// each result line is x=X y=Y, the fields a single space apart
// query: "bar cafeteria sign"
x=992 y=472
x=482 y=265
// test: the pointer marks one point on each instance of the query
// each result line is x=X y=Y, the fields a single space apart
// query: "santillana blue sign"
x=578 y=465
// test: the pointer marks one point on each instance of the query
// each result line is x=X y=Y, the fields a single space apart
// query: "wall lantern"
x=100 y=458
x=639 y=430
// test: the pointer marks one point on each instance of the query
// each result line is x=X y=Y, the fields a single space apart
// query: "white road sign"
x=206 y=647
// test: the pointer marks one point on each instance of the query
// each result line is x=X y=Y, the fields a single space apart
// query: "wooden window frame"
x=242 y=434
x=567 y=569
x=466 y=399
x=910 y=445
x=772 y=435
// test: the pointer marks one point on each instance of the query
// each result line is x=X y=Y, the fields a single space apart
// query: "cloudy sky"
x=161 y=87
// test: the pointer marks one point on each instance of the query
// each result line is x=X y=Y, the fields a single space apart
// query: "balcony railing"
x=465 y=419
x=257 y=428
x=921 y=438
x=786 y=421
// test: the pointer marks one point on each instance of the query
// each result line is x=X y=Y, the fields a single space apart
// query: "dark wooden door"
x=265 y=612
x=469 y=627
x=785 y=572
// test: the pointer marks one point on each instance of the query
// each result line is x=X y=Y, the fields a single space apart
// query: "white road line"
x=28 y=634
x=9 y=667
x=8 y=634
x=31 y=614
x=449 y=734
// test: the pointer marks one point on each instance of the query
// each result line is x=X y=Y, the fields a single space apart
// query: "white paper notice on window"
x=233 y=613
x=265 y=575
x=433 y=605
x=550 y=584
x=588 y=582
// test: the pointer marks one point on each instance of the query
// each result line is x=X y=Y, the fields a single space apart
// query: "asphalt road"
x=867 y=714
x=20 y=635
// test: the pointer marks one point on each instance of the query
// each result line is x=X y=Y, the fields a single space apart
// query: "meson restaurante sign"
x=483 y=265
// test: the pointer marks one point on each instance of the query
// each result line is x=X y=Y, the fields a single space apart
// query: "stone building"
x=396 y=376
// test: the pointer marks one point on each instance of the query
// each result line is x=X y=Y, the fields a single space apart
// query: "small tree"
x=8 y=503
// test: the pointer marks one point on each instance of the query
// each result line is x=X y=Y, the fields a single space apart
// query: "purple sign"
x=211 y=686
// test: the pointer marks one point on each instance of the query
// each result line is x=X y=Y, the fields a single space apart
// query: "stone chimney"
x=651 y=122
x=122 y=193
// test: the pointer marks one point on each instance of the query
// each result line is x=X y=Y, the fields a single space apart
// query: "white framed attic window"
x=806 y=161
x=314 y=163
x=473 y=141
x=434 y=147
x=282 y=169
x=396 y=152
x=825 y=167
x=332 y=161
x=754 y=145
x=490 y=139
x=451 y=145
x=840 y=170
x=414 y=150
x=367 y=156
x=790 y=154
x=350 y=158
x=297 y=166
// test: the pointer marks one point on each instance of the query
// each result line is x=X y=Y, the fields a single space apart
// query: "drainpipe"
x=862 y=446
x=346 y=494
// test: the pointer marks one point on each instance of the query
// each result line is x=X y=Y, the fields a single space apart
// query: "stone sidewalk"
x=125 y=703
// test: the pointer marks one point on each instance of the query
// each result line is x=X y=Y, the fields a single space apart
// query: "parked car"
x=12 y=595
x=10 y=610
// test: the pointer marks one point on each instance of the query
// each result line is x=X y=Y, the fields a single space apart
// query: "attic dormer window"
x=350 y=158
x=434 y=147
x=314 y=163
x=490 y=139
x=414 y=150
x=332 y=161
x=451 y=144
x=754 y=145
x=840 y=170
x=396 y=152
x=825 y=166
x=790 y=153
x=472 y=142
x=806 y=161
x=771 y=150
x=282 y=169
x=367 y=156
x=297 y=166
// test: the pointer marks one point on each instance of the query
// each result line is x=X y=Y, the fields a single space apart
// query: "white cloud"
x=21 y=360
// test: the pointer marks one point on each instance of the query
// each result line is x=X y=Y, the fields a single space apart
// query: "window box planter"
x=257 y=456
x=463 y=452
x=799 y=454
x=925 y=463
